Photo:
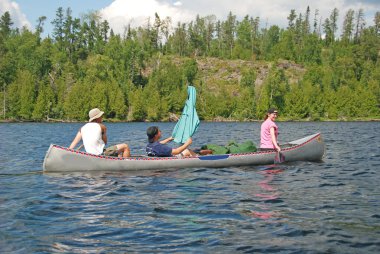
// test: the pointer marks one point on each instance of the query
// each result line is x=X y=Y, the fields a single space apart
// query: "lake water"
x=304 y=207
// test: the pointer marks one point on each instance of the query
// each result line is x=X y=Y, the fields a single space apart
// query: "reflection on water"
x=303 y=207
x=269 y=193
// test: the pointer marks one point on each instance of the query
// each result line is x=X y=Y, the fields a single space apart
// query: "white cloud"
x=275 y=12
x=177 y=3
x=121 y=13
x=271 y=12
x=17 y=16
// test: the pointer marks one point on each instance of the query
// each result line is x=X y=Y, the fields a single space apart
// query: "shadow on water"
x=37 y=172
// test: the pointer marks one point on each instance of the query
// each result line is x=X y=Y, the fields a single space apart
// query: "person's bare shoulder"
x=103 y=127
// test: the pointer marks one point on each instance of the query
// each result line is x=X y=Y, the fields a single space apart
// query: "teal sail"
x=189 y=120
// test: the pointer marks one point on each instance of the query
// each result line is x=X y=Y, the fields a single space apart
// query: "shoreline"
x=208 y=121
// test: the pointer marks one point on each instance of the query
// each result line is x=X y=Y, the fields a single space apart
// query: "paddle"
x=279 y=158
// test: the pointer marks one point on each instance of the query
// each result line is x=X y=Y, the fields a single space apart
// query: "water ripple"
x=301 y=207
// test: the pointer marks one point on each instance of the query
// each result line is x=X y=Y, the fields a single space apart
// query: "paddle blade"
x=279 y=158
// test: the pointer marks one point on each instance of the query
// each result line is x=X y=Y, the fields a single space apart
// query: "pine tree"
x=348 y=26
x=5 y=24
x=359 y=25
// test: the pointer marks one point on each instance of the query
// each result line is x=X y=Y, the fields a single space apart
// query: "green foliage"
x=77 y=101
x=285 y=49
x=243 y=48
x=5 y=24
x=248 y=78
x=270 y=40
x=296 y=102
x=244 y=104
x=22 y=95
x=156 y=107
x=190 y=70
x=137 y=111
x=116 y=107
x=43 y=109
x=276 y=87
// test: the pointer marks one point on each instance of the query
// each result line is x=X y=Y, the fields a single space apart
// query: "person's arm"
x=76 y=140
x=274 y=140
x=104 y=133
x=165 y=141
x=180 y=149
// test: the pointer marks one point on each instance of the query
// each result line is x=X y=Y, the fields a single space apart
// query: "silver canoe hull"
x=62 y=159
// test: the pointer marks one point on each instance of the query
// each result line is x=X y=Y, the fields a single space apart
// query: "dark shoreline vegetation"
x=215 y=121
x=307 y=70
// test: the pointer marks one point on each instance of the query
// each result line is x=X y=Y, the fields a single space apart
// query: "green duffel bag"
x=246 y=147
x=232 y=147
x=216 y=149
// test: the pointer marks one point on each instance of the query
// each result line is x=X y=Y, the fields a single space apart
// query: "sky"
x=120 y=13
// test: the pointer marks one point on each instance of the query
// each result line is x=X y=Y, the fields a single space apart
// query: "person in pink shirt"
x=269 y=131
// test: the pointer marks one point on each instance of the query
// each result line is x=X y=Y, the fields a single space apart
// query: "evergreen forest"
x=308 y=70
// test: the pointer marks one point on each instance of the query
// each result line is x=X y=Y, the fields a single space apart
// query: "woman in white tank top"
x=94 y=135
x=92 y=138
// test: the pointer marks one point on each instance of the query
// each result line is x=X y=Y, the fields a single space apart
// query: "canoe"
x=63 y=159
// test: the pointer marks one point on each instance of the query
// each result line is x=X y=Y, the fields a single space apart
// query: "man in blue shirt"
x=158 y=148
